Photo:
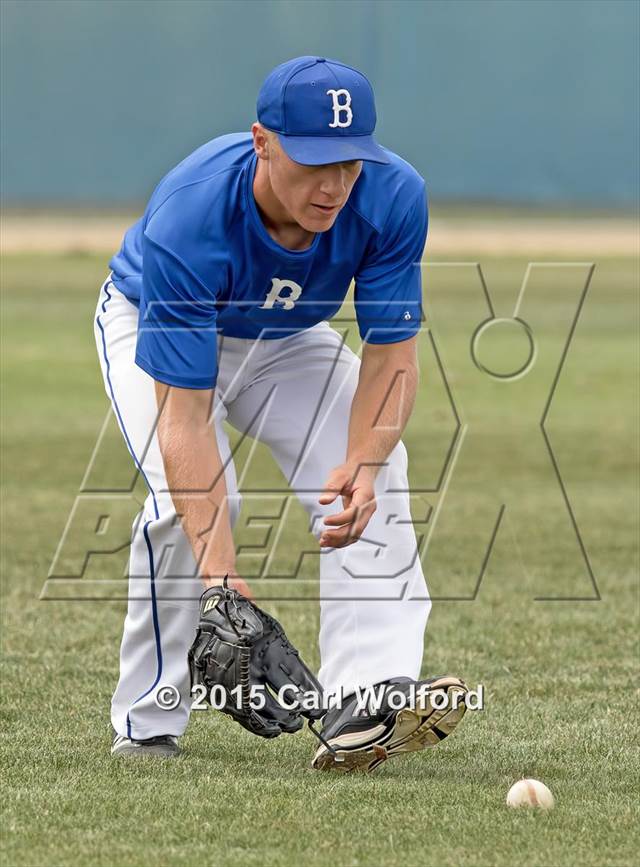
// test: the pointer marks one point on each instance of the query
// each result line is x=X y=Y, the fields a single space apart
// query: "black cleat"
x=362 y=738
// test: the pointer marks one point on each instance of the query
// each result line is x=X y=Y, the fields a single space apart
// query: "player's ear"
x=260 y=141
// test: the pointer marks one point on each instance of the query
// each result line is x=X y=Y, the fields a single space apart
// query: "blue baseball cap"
x=322 y=111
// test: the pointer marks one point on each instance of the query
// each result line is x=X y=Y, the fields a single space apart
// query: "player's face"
x=312 y=195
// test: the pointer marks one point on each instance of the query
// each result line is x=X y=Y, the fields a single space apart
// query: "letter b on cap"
x=342 y=113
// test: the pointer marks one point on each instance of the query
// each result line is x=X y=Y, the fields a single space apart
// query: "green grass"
x=558 y=675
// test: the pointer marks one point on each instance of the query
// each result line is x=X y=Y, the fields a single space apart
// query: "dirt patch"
x=508 y=235
x=521 y=235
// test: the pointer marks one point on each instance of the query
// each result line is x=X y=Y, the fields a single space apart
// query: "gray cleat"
x=165 y=746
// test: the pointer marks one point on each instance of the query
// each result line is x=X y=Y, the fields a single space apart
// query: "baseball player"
x=216 y=309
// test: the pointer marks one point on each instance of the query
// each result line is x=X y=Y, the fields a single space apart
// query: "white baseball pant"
x=294 y=394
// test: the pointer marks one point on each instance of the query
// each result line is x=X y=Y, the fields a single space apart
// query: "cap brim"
x=321 y=150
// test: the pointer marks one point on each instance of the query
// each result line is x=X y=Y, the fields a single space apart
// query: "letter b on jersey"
x=291 y=290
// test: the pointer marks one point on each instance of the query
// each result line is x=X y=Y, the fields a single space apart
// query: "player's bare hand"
x=233 y=580
x=355 y=484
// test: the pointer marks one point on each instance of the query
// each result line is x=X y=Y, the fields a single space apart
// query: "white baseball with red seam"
x=530 y=793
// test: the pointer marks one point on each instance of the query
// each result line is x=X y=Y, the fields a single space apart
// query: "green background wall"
x=519 y=100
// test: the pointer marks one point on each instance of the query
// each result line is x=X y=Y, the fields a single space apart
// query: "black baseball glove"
x=241 y=656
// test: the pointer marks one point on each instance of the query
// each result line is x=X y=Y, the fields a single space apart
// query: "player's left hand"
x=355 y=483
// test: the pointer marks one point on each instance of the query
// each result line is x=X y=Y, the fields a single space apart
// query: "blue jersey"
x=201 y=262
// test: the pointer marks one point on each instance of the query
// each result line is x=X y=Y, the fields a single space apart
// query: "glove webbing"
x=245 y=661
x=245 y=654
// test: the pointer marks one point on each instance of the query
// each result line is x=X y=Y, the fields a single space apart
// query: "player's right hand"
x=355 y=483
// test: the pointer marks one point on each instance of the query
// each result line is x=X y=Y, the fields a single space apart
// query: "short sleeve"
x=388 y=291
x=177 y=340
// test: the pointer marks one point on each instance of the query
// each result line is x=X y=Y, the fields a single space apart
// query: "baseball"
x=530 y=793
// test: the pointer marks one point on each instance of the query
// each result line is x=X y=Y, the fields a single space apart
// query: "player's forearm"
x=196 y=479
x=382 y=404
x=195 y=476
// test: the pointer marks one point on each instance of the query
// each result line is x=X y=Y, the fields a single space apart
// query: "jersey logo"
x=341 y=108
x=288 y=301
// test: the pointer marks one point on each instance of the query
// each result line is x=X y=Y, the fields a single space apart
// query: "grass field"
x=560 y=677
